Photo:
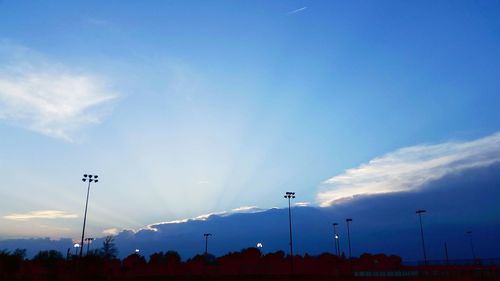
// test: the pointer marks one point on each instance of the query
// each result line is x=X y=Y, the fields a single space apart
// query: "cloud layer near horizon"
x=410 y=168
x=47 y=97
x=43 y=214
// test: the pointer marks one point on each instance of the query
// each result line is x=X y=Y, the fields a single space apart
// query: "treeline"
x=102 y=264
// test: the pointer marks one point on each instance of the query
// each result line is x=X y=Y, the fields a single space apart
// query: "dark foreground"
x=248 y=264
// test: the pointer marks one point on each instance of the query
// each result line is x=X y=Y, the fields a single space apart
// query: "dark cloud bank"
x=381 y=224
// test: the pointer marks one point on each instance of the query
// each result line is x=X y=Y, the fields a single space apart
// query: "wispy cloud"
x=43 y=214
x=111 y=231
x=410 y=168
x=47 y=97
x=204 y=217
x=302 y=204
x=297 y=10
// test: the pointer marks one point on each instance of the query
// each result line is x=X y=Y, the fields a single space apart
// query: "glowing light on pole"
x=76 y=246
x=336 y=239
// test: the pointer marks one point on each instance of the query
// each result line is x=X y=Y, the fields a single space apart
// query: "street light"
x=206 y=242
x=420 y=212
x=349 y=235
x=469 y=233
x=76 y=246
x=89 y=178
x=88 y=240
x=289 y=196
x=336 y=239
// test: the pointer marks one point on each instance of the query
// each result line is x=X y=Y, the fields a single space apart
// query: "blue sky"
x=191 y=107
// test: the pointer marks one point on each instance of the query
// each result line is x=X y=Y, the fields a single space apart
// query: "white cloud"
x=302 y=204
x=47 y=97
x=410 y=168
x=43 y=214
x=297 y=10
x=111 y=231
x=204 y=217
x=245 y=209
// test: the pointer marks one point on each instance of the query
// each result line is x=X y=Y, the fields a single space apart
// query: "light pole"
x=469 y=233
x=206 y=242
x=336 y=239
x=349 y=236
x=289 y=196
x=89 y=178
x=420 y=212
x=88 y=240
x=76 y=246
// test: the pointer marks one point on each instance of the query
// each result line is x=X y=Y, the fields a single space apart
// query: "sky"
x=185 y=108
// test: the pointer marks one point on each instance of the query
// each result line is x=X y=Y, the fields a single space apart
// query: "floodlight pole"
x=206 y=242
x=89 y=240
x=289 y=196
x=420 y=212
x=349 y=236
x=336 y=239
x=76 y=246
x=89 y=178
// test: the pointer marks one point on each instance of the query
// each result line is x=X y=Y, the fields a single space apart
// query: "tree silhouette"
x=11 y=261
x=50 y=255
x=109 y=250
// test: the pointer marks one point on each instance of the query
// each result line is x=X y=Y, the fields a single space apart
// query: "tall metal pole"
x=89 y=240
x=84 y=219
x=336 y=239
x=291 y=240
x=420 y=212
x=206 y=242
x=349 y=236
x=76 y=246
x=85 y=178
x=338 y=245
x=471 y=245
x=290 y=195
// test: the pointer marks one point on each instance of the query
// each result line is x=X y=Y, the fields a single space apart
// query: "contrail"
x=297 y=10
